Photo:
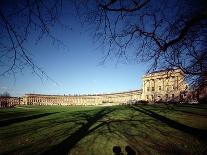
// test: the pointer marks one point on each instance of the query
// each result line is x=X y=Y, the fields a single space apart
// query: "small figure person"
x=130 y=151
x=117 y=150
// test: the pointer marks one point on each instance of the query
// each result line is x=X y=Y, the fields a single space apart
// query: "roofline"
x=99 y=94
x=163 y=71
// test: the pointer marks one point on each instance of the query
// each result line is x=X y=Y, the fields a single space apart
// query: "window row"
x=167 y=88
x=166 y=96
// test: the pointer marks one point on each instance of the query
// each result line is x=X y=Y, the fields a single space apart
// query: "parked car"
x=193 y=102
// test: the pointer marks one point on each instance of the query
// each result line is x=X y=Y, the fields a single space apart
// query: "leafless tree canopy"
x=5 y=94
x=21 y=20
x=167 y=33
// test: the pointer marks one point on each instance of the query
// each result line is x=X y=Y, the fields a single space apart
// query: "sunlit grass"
x=96 y=130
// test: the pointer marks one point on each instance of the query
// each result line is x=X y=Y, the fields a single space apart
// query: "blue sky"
x=75 y=68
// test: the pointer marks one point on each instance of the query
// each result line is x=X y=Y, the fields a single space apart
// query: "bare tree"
x=5 y=94
x=20 y=20
x=166 y=33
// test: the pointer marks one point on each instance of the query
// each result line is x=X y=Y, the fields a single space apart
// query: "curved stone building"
x=162 y=85
x=95 y=99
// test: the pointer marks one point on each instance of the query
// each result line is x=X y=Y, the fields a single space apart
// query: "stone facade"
x=9 y=101
x=95 y=99
x=166 y=85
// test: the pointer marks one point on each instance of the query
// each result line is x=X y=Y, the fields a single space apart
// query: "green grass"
x=151 y=129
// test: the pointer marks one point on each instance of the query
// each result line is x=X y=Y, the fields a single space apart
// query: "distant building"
x=94 y=99
x=7 y=101
x=165 y=85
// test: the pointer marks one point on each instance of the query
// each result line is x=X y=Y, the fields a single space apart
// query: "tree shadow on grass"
x=4 y=123
x=189 y=112
x=170 y=108
x=66 y=145
x=199 y=106
x=200 y=134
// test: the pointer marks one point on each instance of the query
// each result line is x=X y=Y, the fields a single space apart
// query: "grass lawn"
x=150 y=129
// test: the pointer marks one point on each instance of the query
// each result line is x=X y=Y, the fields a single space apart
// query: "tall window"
x=147 y=97
x=147 y=88
x=152 y=97
x=160 y=88
x=153 y=88
x=173 y=95
x=166 y=95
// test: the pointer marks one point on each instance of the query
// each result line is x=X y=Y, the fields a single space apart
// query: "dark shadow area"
x=200 y=134
x=4 y=123
x=166 y=109
x=66 y=145
x=130 y=151
x=189 y=112
x=117 y=150
x=199 y=106
x=98 y=131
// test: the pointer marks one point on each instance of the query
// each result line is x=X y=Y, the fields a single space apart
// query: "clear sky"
x=75 y=68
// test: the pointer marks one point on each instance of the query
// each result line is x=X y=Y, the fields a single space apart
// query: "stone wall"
x=95 y=99
x=163 y=85
x=166 y=85
x=9 y=101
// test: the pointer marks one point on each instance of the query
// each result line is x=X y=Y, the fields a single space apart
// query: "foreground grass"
x=154 y=129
